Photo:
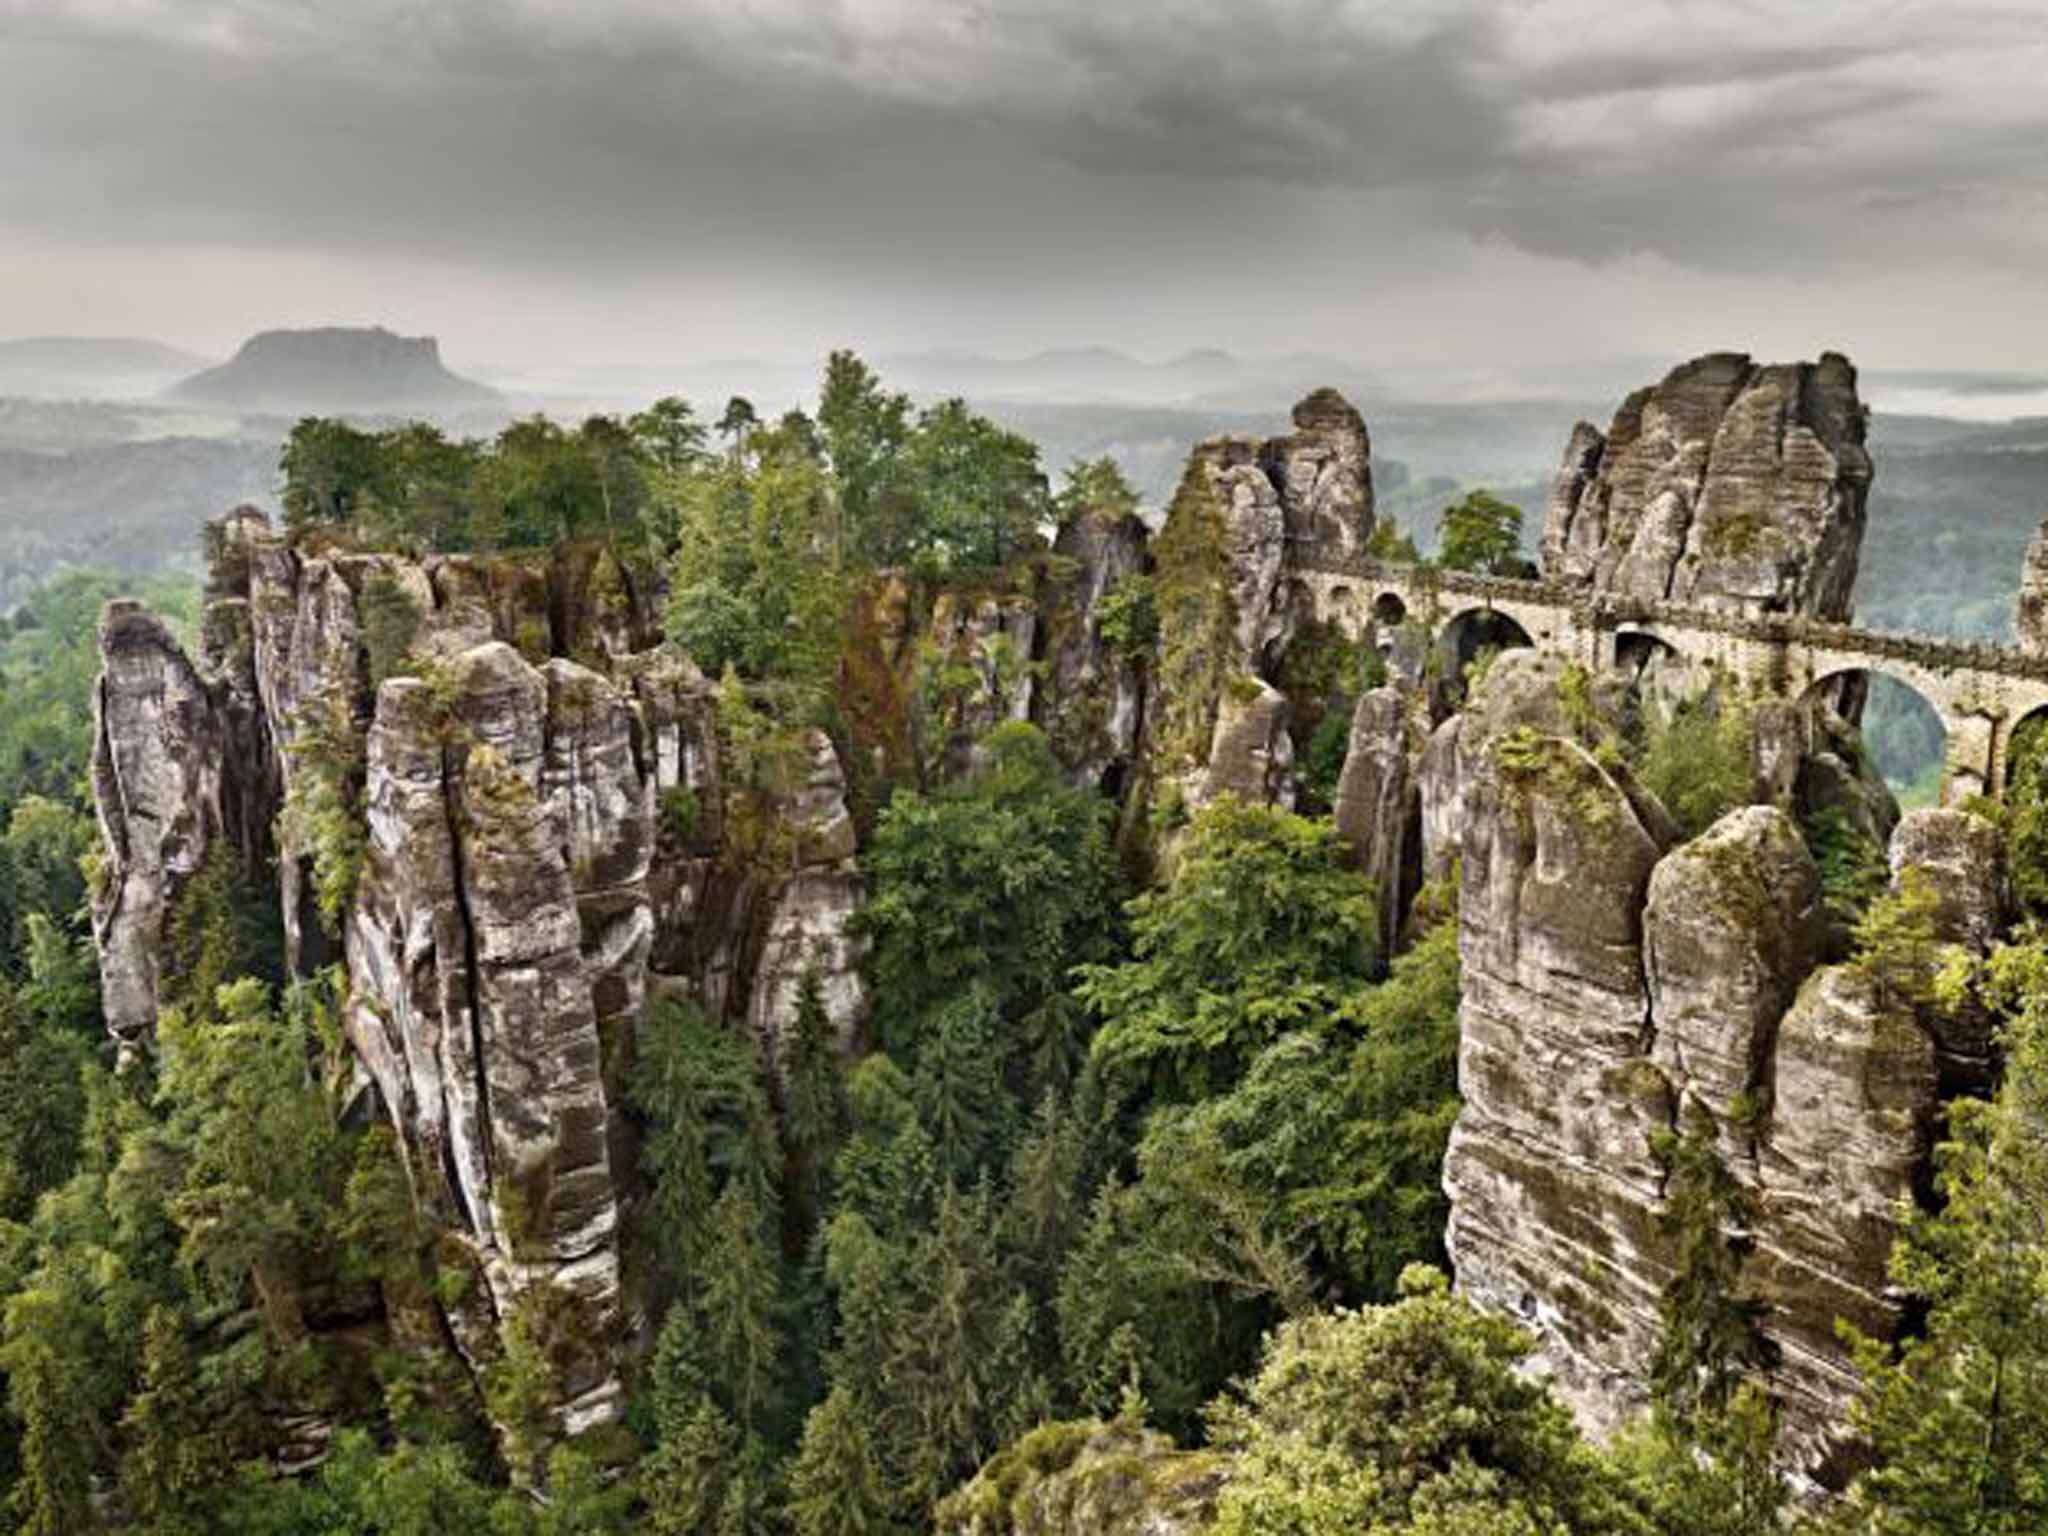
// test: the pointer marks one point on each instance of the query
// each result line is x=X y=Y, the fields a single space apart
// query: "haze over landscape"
x=1024 y=767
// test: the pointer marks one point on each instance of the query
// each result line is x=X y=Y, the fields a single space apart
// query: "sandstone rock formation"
x=1378 y=806
x=2030 y=622
x=1101 y=1479
x=160 y=778
x=1323 y=473
x=1608 y=983
x=1251 y=755
x=1729 y=484
x=1092 y=704
x=541 y=841
x=1240 y=527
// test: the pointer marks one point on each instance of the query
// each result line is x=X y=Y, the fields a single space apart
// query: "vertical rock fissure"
x=472 y=989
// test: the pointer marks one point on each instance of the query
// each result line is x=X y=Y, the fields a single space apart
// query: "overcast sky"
x=1406 y=182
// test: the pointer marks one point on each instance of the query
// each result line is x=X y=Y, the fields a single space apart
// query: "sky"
x=1518 y=185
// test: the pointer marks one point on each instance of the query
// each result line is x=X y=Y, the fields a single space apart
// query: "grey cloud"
x=1044 y=143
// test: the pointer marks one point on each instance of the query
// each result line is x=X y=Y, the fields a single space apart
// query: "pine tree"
x=1708 y=1327
x=836 y=1484
x=740 y=1302
x=813 y=1108
x=1959 y=1415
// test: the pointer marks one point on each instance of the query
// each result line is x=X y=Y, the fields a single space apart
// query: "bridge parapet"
x=1937 y=653
x=1981 y=690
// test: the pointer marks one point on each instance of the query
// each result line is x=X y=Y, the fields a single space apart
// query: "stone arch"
x=1466 y=636
x=1906 y=728
x=1637 y=648
x=1389 y=610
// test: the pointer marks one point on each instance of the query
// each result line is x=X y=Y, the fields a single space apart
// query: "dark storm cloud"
x=1050 y=143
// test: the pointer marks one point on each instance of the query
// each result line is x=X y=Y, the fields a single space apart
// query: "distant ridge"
x=334 y=369
x=90 y=367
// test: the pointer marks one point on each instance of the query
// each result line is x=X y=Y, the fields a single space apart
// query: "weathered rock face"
x=1092 y=706
x=1088 y=1479
x=542 y=852
x=992 y=639
x=1323 y=473
x=1729 y=484
x=504 y=896
x=159 y=773
x=1852 y=1095
x=1549 y=1169
x=1238 y=533
x=1732 y=926
x=1607 y=984
x=2030 y=623
x=1378 y=804
x=1251 y=756
x=1962 y=859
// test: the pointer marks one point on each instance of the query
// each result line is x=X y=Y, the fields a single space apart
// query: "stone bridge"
x=1981 y=692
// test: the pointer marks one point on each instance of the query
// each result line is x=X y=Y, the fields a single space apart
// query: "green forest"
x=1148 y=1137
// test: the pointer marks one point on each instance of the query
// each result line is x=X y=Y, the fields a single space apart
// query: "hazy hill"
x=90 y=367
x=335 y=369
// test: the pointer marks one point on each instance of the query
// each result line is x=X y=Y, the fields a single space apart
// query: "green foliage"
x=1958 y=1415
x=679 y=813
x=1408 y=1417
x=1895 y=942
x=1323 y=763
x=865 y=429
x=993 y=887
x=979 y=490
x=1697 y=761
x=390 y=623
x=1129 y=617
x=537 y=483
x=755 y=585
x=2026 y=813
x=1389 y=544
x=1481 y=533
x=1713 y=1474
x=1707 y=1328
x=1262 y=929
x=320 y=815
x=1197 y=619
x=835 y=1483
x=1097 y=486
x=706 y=1124
x=1853 y=868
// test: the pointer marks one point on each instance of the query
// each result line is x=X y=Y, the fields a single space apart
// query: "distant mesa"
x=334 y=369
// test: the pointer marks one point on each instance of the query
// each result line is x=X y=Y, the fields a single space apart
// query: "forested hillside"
x=1084 y=1175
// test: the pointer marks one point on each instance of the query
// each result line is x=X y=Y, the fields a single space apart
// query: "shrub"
x=1129 y=617
x=1697 y=763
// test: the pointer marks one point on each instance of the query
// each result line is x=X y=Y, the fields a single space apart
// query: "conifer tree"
x=835 y=1484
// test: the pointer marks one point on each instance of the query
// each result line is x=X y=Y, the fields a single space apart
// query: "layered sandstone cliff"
x=1730 y=483
x=521 y=877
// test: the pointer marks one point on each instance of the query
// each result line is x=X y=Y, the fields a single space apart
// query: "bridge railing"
x=1606 y=610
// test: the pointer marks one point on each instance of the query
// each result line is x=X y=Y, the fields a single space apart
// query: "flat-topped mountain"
x=331 y=369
